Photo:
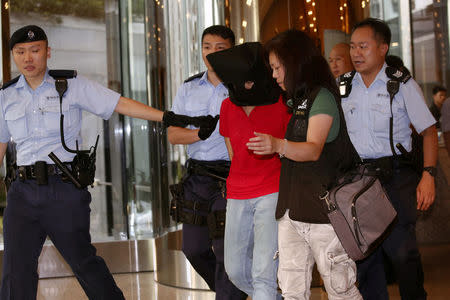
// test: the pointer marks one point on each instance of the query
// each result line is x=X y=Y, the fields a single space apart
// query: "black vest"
x=302 y=183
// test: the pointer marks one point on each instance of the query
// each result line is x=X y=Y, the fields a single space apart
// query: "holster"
x=177 y=197
x=187 y=211
x=10 y=176
x=41 y=172
x=216 y=224
x=198 y=212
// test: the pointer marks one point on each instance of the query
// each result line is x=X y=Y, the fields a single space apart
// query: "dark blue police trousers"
x=58 y=210
x=198 y=247
x=400 y=246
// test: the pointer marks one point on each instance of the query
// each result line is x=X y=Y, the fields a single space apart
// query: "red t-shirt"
x=252 y=175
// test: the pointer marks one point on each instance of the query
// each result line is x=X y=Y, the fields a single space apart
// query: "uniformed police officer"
x=367 y=111
x=202 y=95
x=30 y=115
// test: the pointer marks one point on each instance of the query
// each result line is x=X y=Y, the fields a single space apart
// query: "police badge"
x=30 y=35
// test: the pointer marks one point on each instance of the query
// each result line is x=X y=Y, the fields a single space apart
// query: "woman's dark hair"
x=304 y=66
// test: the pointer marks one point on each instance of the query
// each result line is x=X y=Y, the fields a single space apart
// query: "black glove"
x=172 y=119
x=207 y=125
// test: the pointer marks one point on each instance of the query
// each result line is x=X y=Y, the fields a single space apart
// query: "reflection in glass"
x=244 y=20
x=397 y=15
x=431 y=45
x=136 y=136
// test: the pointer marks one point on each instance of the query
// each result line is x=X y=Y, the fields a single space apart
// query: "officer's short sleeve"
x=178 y=105
x=4 y=133
x=224 y=115
x=416 y=107
x=93 y=97
x=445 y=116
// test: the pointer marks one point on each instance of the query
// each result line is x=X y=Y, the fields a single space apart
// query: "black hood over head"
x=241 y=64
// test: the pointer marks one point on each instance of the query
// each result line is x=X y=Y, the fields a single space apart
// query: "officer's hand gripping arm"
x=207 y=126
x=186 y=136
x=172 y=119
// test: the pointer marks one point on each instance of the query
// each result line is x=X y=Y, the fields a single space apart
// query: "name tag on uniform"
x=381 y=95
x=50 y=103
x=53 y=98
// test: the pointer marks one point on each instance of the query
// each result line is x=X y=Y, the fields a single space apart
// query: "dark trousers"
x=400 y=246
x=198 y=247
x=60 y=211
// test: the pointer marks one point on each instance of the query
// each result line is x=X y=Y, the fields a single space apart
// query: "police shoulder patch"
x=345 y=83
x=194 y=77
x=347 y=76
x=9 y=83
x=398 y=74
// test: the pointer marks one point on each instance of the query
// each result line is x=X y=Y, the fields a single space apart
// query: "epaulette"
x=345 y=83
x=9 y=83
x=398 y=74
x=194 y=77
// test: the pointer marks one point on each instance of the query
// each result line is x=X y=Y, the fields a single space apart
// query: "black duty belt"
x=395 y=161
x=197 y=205
x=29 y=172
x=216 y=169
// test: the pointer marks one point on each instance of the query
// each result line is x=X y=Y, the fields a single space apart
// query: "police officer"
x=367 y=111
x=51 y=206
x=339 y=59
x=203 y=94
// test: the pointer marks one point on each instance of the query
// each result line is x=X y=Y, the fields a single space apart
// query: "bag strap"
x=396 y=76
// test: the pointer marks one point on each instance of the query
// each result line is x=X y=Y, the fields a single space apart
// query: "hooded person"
x=254 y=107
x=245 y=74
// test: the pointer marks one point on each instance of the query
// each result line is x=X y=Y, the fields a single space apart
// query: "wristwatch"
x=431 y=170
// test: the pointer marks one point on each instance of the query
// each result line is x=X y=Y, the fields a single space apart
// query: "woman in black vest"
x=316 y=150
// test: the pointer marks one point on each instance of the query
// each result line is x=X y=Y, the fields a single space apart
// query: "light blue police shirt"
x=367 y=112
x=199 y=97
x=32 y=118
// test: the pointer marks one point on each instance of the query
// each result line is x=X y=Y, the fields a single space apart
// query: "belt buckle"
x=22 y=173
x=32 y=172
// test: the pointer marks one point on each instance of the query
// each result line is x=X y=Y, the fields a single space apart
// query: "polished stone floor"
x=141 y=286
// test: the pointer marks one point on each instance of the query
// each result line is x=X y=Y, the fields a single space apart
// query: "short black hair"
x=438 y=88
x=381 y=30
x=222 y=31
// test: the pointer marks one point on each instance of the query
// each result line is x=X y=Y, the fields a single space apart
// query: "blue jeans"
x=251 y=237
x=197 y=245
